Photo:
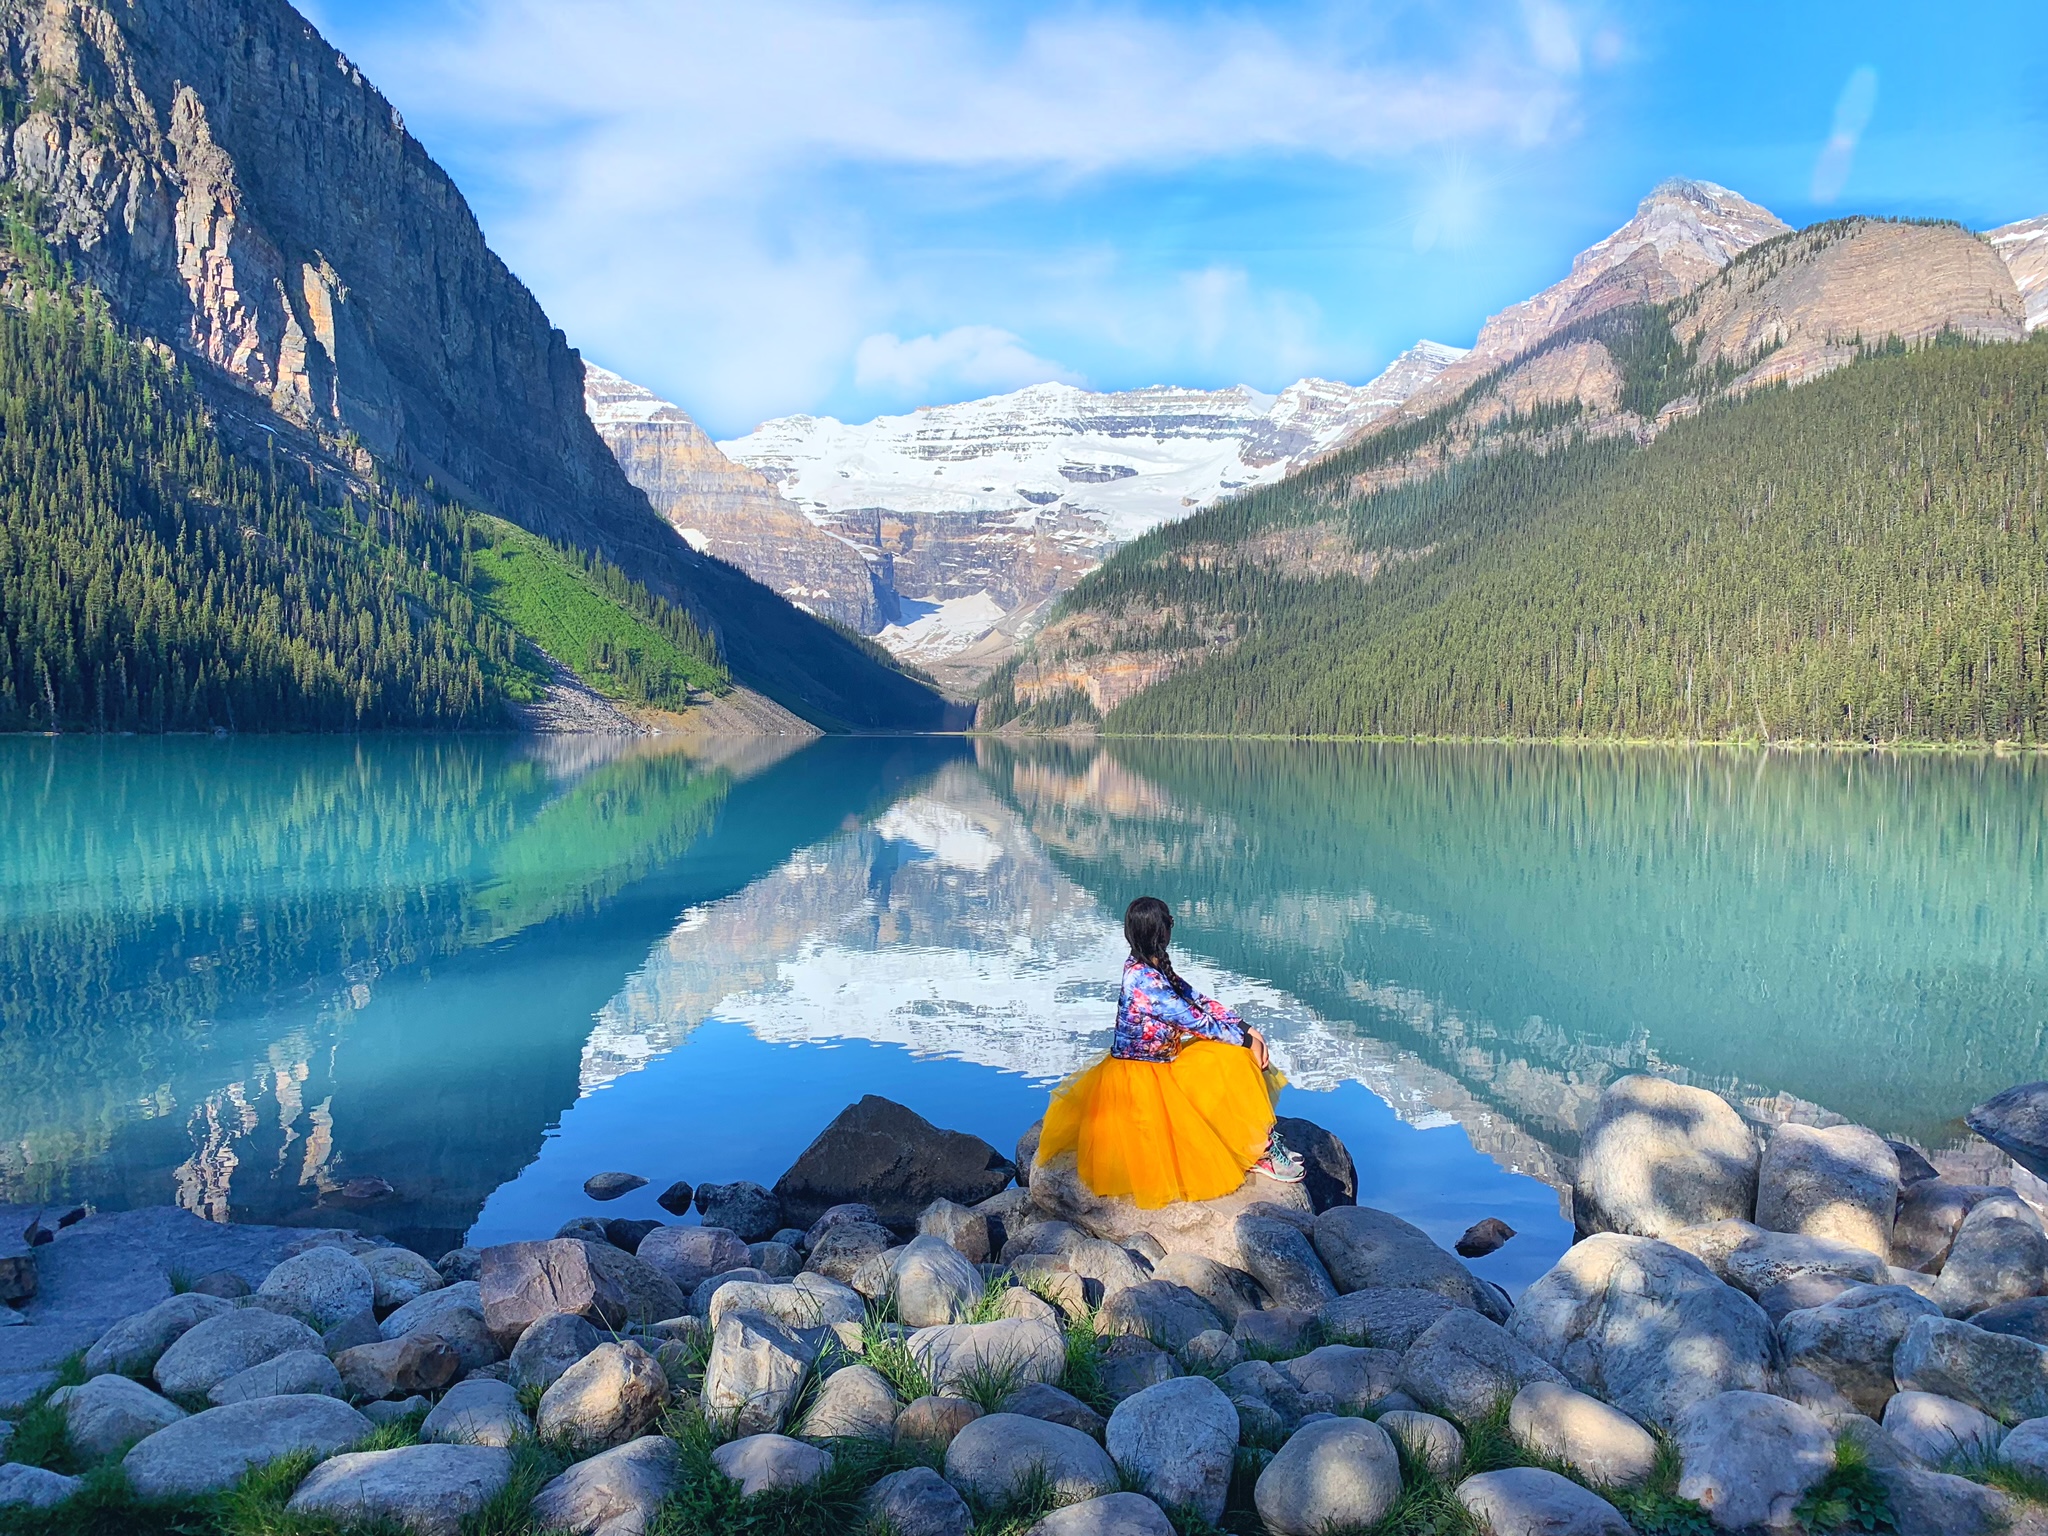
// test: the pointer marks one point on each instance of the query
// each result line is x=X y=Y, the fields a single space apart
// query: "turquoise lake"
x=235 y=974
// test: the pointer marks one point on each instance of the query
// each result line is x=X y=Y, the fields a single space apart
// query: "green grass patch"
x=1849 y=1498
x=622 y=640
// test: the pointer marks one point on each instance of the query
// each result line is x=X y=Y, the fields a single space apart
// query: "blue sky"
x=845 y=207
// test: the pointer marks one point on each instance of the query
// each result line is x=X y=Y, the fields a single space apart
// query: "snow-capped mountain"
x=2024 y=246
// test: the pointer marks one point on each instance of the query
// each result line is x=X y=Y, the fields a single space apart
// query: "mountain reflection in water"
x=239 y=974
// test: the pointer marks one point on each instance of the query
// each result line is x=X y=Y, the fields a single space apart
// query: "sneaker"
x=1279 y=1164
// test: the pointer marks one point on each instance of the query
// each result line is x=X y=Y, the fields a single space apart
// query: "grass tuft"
x=1849 y=1498
x=889 y=1354
x=1082 y=1374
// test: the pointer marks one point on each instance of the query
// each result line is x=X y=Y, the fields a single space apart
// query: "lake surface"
x=236 y=974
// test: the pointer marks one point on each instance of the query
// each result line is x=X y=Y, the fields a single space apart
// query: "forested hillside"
x=1861 y=558
x=153 y=579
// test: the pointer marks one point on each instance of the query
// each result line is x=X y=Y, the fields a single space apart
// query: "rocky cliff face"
x=2024 y=249
x=239 y=190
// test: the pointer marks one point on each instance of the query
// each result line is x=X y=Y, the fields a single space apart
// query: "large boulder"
x=929 y=1423
x=614 y=1493
x=1533 y=1501
x=994 y=1459
x=759 y=1463
x=215 y=1449
x=25 y=1487
x=2016 y=1122
x=1129 y=1365
x=208 y=1353
x=1230 y=1291
x=1764 y=1259
x=1207 y=1228
x=1645 y=1326
x=2005 y=1376
x=412 y=1362
x=1336 y=1474
x=846 y=1248
x=917 y=1502
x=1177 y=1442
x=1167 y=1314
x=1999 y=1255
x=691 y=1255
x=427 y=1489
x=893 y=1159
x=1039 y=1400
x=934 y=1283
x=956 y=1353
x=742 y=1207
x=108 y=1414
x=1114 y=1514
x=321 y=1287
x=1367 y=1249
x=550 y=1347
x=399 y=1276
x=2026 y=1319
x=1384 y=1317
x=1658 y=1156
x=2025 y=1449
x=521 y=1283
x=301 y=1371
x=1840 y=1182
x=1849 y=1343
x=1280 y=1257
x=608 y=1397
x=479 y=1412
x=702 y=1297
x=454 y=1314
x=1601 y=1443
x=1463 y=1365
x=755 y=1372
x=1331 y=1178
x=960 y=1227
x=853 y=1403
x=807 y=1301
x=1425 y=1438
x=1925 y=1503
x=1351 y=1377
x=1936 y=1429
x=1749 y=1458
x=135 y=1344
x=1930 y=1212
x=651 y=1295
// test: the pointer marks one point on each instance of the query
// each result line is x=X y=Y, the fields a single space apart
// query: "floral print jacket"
x=1153 y=1020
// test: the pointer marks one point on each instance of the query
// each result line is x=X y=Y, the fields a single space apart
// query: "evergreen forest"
x=1861 y=558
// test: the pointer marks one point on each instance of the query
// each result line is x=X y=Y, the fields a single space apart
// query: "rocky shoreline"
x=1813 y=1332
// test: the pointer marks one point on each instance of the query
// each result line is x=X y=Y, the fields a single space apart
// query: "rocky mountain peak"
x=2024 y=249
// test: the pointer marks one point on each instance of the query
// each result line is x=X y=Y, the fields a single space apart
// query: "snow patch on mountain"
x=2024 y=248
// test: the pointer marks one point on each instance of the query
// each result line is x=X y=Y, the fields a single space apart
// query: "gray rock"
x=1212 y=1351
x=992 y=1459
x=777 y=1260
x=650 y=1295
x=135 y=1344
x=1352 y=1377
x=1366 y=1249
x=321 y=1287
x=1129 y=1365
x=609 y=1186
x=1913 y=1164
x=427 y=1489
x=224 y=1283
x=1169 y=1315
x=478 y=1413
x=1658 y=1156
x=1840 y=1183
x=845 y=1246
x=608 y=1397
x=1427 y=1439
x=934 y=1283
x=521 y=1283
x=875 y=1274
x=809 y=1301
x=761 y=1462
x=614 y=1493
x=358 y=1330
x=1386 y=1318
x=24 y=1487
x=392 y=1412
x=1937 y=1430
x=459 y=1264
x=963 y=1229
x=454 y=1314
x=893 y=1159
x=585 y=1229
x=1332 y=1178
x=2005 y=1376
x=1749 y=1458
x=626 y=1233
x=676 y=1198
x=1230 y=1291
x=1764 y=1259
x=1042 y=1401
x=1645 y=1326
x=1269 y=1401
x=1999 y=1255
x=929 y=1423
x=1929 y=1214
x=1463 y=1365
x=701 y=1297
x=2016 y=1122
x=756 y=1370
x=742 y=1207
x=1602 y=1443
x=297 y=1373
x=1530 y=1501
x=954 y=1353
x=1927 y=1503
x=549 y=1348
x=412 y=1362
x=1284 y=1262
x=214 y=1449
x=108 y=1414
x=1114 y=1514
x=832 y=1215
x=1178 y=1442
x=209 y=1352
x=855 y=1403
x=918 y=1502
x=399 y=1275
x=1803 y=1292
x=2026 y=1319
x=1849 y=1343
x=1340 y=1473
x=1282 y=1331
x=1020 y=1303
x=1104 y=1267
x=2026 y=1448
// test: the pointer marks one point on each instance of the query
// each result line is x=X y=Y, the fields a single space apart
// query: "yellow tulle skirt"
x=1161 y=1131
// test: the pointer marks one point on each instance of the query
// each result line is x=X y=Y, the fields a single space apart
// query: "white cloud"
x=1852 y=115
x=978 y=357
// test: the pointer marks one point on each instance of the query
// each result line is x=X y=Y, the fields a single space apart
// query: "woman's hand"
x=1256 y=1044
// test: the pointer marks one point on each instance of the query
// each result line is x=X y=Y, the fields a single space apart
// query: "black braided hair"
x=1148 y=928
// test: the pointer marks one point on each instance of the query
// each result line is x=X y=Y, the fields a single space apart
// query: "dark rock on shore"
x=1332 y=1179
x=676 y=1198
x=743 y=1207
x=884 y=1155
x=1484 y=1237
x=2016 y=1122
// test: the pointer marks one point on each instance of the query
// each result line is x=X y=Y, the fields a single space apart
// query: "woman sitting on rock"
x=1182 y=1106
